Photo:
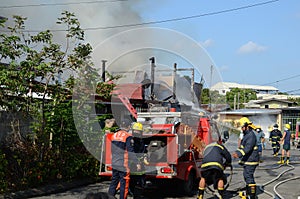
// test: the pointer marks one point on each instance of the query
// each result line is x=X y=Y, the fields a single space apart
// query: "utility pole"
x=174 y=81
x=103 y=69
x=210 y=82
x=238 y=101
x=152 y=59
x=234 y=102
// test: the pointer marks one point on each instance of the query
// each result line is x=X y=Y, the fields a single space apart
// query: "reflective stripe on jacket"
x=275 y=136
x=248 y=152
x=215 y=156
x=122 y=150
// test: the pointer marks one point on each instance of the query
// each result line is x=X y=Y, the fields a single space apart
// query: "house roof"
x=247 y=112
x=130 y=90
x=274 y=99
x=230 y=85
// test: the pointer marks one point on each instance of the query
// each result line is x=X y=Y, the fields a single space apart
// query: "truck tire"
x=189 y=185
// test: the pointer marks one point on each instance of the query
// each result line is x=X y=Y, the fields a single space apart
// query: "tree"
x=31 y=67
x=237 y=97
x=211 y=97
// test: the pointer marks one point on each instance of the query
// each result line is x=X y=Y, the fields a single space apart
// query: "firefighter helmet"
x=244 y=121
x=137 y=126
x=288 y=126
x=252 y=125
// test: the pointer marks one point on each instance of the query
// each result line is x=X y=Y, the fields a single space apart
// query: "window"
x=267 y=106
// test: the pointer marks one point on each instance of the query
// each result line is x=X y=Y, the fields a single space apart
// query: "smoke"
x=91 y=15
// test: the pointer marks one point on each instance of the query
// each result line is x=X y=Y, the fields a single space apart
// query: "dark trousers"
x=276 y=147
x=248 y=174
x=123 y=178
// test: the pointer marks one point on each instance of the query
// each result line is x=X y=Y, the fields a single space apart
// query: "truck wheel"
x=189 y=184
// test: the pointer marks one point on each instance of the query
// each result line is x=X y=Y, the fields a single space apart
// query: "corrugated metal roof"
x=274 y=99
x=252 y=112
x=229 y=85
x=131 y=91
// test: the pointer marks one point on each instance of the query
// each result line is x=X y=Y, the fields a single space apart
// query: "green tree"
x=211 y=97
x=31 y=68
x=238 y=97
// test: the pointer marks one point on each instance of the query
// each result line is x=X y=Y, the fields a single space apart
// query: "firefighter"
x=260 y=136
x=137 y=182
x=122 y=150
x=249 y=158
x=286 y=140
x=274 y=138
x=215 y=158
x=242 y=121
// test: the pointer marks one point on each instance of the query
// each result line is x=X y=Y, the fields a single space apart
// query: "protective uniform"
x=249 y=158
x=137 y=181
x=122 y=154
x=215 y=158
x=275 y=137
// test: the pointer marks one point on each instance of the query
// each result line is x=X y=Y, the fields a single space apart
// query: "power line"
x=281 y=80
x=292 y=91
x=167 y=20
x=60 y=4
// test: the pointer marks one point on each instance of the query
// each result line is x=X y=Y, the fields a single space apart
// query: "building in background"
x=224 y=87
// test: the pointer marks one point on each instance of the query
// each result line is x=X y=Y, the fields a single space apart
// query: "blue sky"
x=256 y=45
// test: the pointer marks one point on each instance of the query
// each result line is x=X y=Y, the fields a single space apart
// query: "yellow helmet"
x=288 y=126
x=252 y=126
x=244 y=120
x=137 y=126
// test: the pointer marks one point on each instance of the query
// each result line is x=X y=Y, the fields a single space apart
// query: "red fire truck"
x=172 y=154
x=297 y=139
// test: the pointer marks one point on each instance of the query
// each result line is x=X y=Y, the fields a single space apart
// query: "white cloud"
x=251 y=47
x=224 y=68
x=207 y=43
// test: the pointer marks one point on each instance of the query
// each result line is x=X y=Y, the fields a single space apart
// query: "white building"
x=224 y=87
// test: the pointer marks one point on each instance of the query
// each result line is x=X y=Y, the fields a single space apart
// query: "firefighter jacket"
x=248 y=151
x=215 y=156
x=139 y=147
x=275 y=136
x=122 y=150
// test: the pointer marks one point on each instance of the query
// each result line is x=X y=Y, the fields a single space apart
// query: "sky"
x=248 y=42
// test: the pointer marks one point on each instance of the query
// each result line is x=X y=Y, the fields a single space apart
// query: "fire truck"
x=297 y=139
x=175 y=136
x=172 y=153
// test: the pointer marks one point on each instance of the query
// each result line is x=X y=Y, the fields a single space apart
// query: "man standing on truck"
x=215 y=158
x=249 y=158
x=122 y=150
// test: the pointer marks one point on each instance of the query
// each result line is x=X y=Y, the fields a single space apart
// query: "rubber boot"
x=200 y=193
x=251 y=191
x=281 y=160
x=242 y=194
x=220 y=193
x=287 y=160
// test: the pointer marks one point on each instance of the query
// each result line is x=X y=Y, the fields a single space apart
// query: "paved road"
x=267 y=175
